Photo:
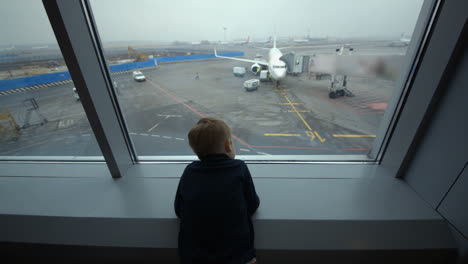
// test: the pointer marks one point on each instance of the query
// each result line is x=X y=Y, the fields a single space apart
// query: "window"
x=335 y=104
x=41 y=116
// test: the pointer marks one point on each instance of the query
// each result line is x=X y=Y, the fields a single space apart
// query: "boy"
x=215 y=200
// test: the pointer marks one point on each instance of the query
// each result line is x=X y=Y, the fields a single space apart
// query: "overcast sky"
x=25 y=21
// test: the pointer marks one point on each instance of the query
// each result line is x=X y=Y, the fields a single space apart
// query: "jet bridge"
x=296 y=63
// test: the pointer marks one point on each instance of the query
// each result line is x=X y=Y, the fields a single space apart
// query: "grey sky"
x=25 y=21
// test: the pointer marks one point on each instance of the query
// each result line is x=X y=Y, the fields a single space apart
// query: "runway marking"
x=179 y=138
x=282 y=135
x=28 y=146
x=166 y=117
x=311 y=135
x=166 y=137
x=355 y=136
x=133 y=133
x=234 y=136
x=66 y=123
x=299 y=115
x=86 y=135
x=291 y=103
x=143 y=134
x=263 y=153
x=155 y=135
x=245 y=150
x=319 y=137
x=292 y=111
x=149 y=130
x=315 y=133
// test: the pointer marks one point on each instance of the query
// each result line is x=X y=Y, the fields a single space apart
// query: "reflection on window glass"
x=40 y=110
x=328 y=71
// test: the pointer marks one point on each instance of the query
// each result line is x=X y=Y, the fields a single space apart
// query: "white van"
x=138 y=76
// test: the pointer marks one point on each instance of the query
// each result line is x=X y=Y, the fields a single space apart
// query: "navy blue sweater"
x=215 y=200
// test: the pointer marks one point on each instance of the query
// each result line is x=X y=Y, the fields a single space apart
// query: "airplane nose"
x=282 y=74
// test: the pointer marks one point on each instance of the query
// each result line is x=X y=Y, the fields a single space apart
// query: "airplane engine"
x=256 y=68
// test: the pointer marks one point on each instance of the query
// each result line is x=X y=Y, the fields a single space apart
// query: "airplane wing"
x=239 y=59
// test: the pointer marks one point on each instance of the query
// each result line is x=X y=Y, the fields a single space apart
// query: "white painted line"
x=143 y=134
x=28 y=146
x=166 y=137
x=86 y=135
x=263 y=153
x=167 y=116
x=155 y=135
x=149 y=130
x=245 y=150
x=179 y=138
x=133 y=133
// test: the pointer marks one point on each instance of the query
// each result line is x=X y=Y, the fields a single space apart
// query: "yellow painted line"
x=282 y=135
x=291 y=103
x=300 y=116
x=355 y=136
x=302 y=111
x=311 y=135
x=319 y=137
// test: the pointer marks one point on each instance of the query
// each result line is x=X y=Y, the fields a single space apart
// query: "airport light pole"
x=224 y=28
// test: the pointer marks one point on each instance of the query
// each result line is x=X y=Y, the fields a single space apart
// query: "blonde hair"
x=208 y=136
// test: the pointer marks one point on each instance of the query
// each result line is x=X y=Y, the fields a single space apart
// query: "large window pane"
x=40 y=112
x=327 y=71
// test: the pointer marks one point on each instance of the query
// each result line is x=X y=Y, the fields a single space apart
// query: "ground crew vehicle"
x=238 y=71
x=251 y=85
x=138 y=76
x=75 y=93
x=264 y=76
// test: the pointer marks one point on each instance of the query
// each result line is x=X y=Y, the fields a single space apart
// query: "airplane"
x=262 y=41
x=242 y=42
x=40 y=47
x=8 y=49
x=276 y=67
x=404 y=41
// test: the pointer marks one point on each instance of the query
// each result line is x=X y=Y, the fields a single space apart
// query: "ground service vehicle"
x=75 y=93
x=138 y=76
x=238 y=71
x=264 y=76
x=251 y=85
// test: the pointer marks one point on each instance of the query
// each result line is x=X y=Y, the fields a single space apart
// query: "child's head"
x=209 y=136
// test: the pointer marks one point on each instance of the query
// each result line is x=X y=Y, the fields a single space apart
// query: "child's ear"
x=227 y=146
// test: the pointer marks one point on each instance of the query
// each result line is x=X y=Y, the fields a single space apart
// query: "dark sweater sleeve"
x=250 y=194
x=178 y=199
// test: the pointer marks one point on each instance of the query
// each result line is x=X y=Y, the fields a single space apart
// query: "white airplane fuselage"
x=276 y=67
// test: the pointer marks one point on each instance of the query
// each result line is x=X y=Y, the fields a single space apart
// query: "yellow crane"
x=138 y=56
x=8 y=126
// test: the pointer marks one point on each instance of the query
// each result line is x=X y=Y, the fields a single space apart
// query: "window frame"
x=68 y=18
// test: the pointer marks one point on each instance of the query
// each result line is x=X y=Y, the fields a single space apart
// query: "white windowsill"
x=309 y=206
